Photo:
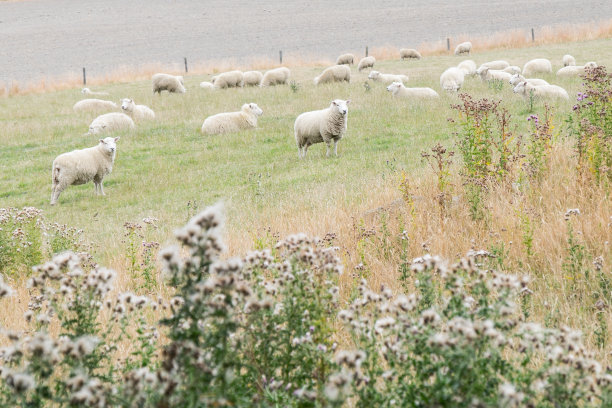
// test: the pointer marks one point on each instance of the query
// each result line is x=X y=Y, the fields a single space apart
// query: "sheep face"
x=515 y=79
x=374 y=75
x=591 y=64
x=94 y=130
x=109 y=144
x=394 y=87
x=127 y=105
x=255 y=109
x=341 y=106
x=521 y=87
x=86 y=90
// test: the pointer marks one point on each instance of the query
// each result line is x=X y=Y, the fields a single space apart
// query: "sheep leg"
x=101 y=188
x=328 y=143
x=304 y=150
x=55 y=193
x=336 y=148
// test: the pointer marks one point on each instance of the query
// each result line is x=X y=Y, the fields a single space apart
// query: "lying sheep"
x=367 y=62
x=468 y=67
x=497 y=65
x=83 y=166
x=345 y=59
x=387 y=78
x=94 y=105
x=538 y=65
x=137 y=112
x=319 y=126
x=409 y=53
x=231 y=79
x=575 y=70
x=252 y=78
x=512 y=69
x=463 y=48
x=227 y=122
x=568 y=60
x=335 y=73
x=399 y=90
x=167 y=82
x=452 y=79
x=487 y=74
x=540 y=91
x=110 y=122
x=88 y=91
x=516 y=78
x=207 y=85
x=276 y=76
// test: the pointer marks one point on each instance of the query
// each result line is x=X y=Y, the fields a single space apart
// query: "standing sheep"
x=468 y=67
x=93 y=105
x=276 y=76
x=487 y=74
x=541 y=91
x=231 y=79
x=399 y=90
x=136 y=111
x=463 y=48
x=568 y=60
x=83 y=166
x=345 y=59
x=516 y=78
x=110 y=122
x=227 y=122
x=409 y=53
x=319 y=126
x=538 y=65
x=166 y=82
x=452 y=79
x=252 y=78
x=367 y=62
x=335 y=73
x=88 y=91
x=387 y=78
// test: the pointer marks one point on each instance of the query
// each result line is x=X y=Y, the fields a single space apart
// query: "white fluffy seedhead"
x=341 y=105
x=394 y=87
x=109 y=144
x=374 y=75
x=253 y=108
x=127 y=105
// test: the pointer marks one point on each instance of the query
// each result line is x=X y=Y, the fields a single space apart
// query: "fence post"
x=280 y=56
x=84 y=77
x=185 y=58
x=532 y=36
x=448 y=44
x=366 y=50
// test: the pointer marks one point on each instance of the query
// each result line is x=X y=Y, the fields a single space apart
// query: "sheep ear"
x=117 y=139
x=102 y=141
x=334 y=102
x=348 y=101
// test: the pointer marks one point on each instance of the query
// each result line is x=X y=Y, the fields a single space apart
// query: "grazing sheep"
x=231 y=79
x=335 y=73
x=512 y=69
x=463 y=48
x=88 y=91
x=110 y=122
x=516 y=78
x=487 y=74
x=345 y=59
x=276 y=76
x=538 y=65
x=252 y=78
x=227 y=122
x=452 y=79
x=541 y=91
x=319 y=126
x=409 y=53
x=93 y=105
x=568 y=60
x=166 y=82
x=387 y=78
x=136 y=111
x=575 y=70
x=468 y=67
x=399 y=90
x=497 y=65
x=367 y=62
x=207 y=85
x=83 y=166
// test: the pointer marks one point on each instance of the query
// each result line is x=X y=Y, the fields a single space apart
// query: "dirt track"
x=53 y=37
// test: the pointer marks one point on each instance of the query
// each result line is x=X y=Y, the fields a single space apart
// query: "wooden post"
x=280 y=56
x=532 y=36
x=448 y=44
x=84 y=77
x=366 y=50
x=185 y=58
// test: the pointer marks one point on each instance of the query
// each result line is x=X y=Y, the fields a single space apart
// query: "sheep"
x=252 y=78
x=136 y=111
x=276 y=76
x=387 y=78
x=227 y=122
x=231 y=79
x=335 y=73
x=110 y=122
x=575 y=70
x=348 y=59
x=166 y=82
x=409 y=53
x=516 y=78
x=207 y=85
x=399 y=90
x=463 y=48
x=512 y=69
x=367 y=62
x=468 y=67
x=542 y=91
x=568 y=60
x=497 y=65
x=452 y=79
x=83 y=166
x=487 y=74
x=88 y=91
x=538 y=65
x=325 y=125
x=93 y=105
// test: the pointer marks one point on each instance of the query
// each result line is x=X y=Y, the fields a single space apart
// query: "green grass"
x=167 y=162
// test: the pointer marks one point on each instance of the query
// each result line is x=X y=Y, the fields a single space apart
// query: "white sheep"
x=409 y=53
x=399 y=90
x=463 y=48
x=230 y=79
x=540 y=91
x=516 y=78
x=468 y=67
x=88 y=91
x=575 y=70
x=276 y=76
x=167 y=82
x=387 y=78
x=325 y=125
x=348 y=59
x=227 y=122
x=335 y=73
x=207 y=85
x=137 y=112
x=538 y=65
x=452 y=79
x=110 y=122
x=252 y=78
x=93 y=105
x=512 y=69
x=497 y=65
x=83 y=166
x=367 y=62
x=568 y=60
x=487 y=74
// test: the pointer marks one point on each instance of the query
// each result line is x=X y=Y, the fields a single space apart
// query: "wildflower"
x=383 y=323
x=20 y=382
